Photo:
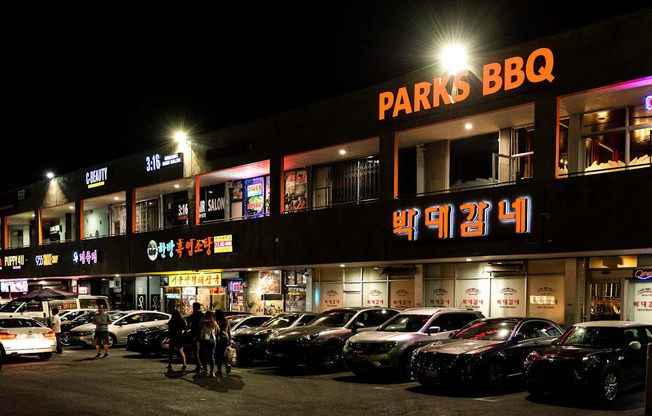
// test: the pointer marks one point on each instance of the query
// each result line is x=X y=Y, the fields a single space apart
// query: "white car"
x=21 y=336
x=123 y=323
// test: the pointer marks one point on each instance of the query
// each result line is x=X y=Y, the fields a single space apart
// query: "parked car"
x=21 y=336
x=123 y=323
x=249 y=343
x=247 y=320
x=320 y=344
x=148 y=340
x=83 y=318
x=600 y=358
x=390 y=347
x=484 y=353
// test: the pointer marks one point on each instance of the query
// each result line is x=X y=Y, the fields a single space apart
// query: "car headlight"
x=84 y=333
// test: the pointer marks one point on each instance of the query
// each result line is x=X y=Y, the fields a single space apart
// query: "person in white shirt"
x=55 y=325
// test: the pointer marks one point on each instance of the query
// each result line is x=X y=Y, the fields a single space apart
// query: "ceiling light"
x=468 y=126
x=342 y=151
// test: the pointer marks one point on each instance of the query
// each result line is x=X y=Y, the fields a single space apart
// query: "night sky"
x=85 y=82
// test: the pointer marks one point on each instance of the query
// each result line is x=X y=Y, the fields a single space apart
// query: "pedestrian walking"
x=223 y=341
x=194 y=322
x=176 y=329
x=55 y=325
x=101 y=321
x=207 y=335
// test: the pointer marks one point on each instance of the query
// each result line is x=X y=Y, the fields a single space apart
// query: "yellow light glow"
x=454 y=59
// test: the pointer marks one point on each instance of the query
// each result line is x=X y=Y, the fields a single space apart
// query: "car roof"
x=432 y=310
x=608 y=324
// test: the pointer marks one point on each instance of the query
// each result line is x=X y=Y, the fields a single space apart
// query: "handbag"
x=230 y=355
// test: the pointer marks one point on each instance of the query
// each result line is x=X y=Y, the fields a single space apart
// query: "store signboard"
x=179 y=248
x=97 y=177
x=642 y=274
x=15 y=262
x=451 y=89
x=640 y=308
x=648 y=103
x=330 y=296
x=195 y=280
x=440 y=293
x=374 y=294
x=401 y=294
x=508 y=297
x=157 y=161
x=85 y=257
x=44 y=260
x=14 y=286
x=468 y=220
x=546 y=297
x=270 y=282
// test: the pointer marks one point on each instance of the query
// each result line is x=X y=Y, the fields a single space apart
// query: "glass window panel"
x=605 y=152
x=603 y=120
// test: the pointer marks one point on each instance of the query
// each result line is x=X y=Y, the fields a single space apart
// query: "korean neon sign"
x=474 y=221
x=189 y=247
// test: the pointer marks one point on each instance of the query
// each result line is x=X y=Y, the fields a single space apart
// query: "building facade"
x=514 y=187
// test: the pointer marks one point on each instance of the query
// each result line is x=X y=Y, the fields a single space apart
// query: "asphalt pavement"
x=125 y=383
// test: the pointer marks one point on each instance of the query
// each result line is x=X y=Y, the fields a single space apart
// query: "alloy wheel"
x=610 y=386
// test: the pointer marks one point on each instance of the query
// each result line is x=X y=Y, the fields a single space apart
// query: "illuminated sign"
x=14 y=286
x=97 y=177
x=46 y=260
x=474 y=219
x=223 y=244
x=190 y=247
x=15 y=262
x=642 y=274
x=445 y=91
x=156 y=162
x=648 y=103
x=195 y=280
x=85 y=257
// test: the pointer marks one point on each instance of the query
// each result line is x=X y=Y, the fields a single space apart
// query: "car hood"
x=459 y=346
x=83 y=327
x=570 y=352
x=296 y=333
x=252 y=332
x=390 y=336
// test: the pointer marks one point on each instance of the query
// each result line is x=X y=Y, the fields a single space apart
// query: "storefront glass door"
x=605 y=300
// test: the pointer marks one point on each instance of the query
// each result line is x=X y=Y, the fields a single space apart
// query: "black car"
x=484 y=352
x=599 y=358
x=147 y=340
x=250 y=342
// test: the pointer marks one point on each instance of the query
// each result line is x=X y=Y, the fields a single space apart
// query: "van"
x=41 y=309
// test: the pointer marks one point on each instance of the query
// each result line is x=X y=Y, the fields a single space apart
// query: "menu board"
x=295 y=190
x=546 y=297
x=270 y=282
x=473 y=294
x=254 y=197
x=508 y=297
x=440 y=293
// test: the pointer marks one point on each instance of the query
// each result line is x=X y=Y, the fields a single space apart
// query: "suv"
x=320 y=343
x=390 y=347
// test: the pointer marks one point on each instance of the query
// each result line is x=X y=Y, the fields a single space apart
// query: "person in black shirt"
x=176 y=328
x=194 y=322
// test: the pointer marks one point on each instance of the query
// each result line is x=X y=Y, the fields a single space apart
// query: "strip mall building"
x=521 y=186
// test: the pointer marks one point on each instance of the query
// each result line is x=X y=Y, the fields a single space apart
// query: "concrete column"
x=437 y=166
x=418 y=285
x=504 y=148
x=277 y=183
x=388 y=166
x=546 y=136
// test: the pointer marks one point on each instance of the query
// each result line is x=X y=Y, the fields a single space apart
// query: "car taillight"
x=50 y=334
x=5 y=335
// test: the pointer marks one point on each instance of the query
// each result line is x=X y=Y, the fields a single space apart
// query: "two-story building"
x=519 y=186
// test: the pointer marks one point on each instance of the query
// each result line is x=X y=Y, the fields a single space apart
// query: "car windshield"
x=11 y=306
x=333 y=318
x=235 y=320
x=281 y=321
x=492 y=330
x=405 y=323
x=591 y=337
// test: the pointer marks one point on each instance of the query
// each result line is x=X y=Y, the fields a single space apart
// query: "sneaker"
x=183 y=368
x=105 y=355
x=212 y=375
x=98 y=355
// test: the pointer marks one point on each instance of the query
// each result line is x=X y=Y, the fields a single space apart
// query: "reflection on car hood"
x=390 y=336
x=252 y=332
x=296 y=333
x=570 y=352
x=459 y=346
x=83 y=327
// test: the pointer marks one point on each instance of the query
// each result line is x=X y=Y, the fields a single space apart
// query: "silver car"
x=389 y=348
x=123 y=323
x=319 y=344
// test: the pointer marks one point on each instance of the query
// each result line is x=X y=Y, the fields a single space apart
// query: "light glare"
x=454 y=59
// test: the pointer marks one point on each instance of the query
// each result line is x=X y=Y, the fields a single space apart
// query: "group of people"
x=211 y=335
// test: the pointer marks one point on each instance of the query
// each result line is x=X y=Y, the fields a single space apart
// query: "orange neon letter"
x=491 y=79
x=439 y=91
x=545 y=71
x=514 y=75
x=421 y=92
x=402 y=102
x=463 y=87
x=385 y=102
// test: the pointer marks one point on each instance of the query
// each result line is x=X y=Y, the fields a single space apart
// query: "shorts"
x=101 y=338
x=176 y=342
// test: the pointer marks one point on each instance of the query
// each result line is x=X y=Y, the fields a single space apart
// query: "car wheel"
x=45 y=356
x=496 y=376
x=112 y=340
x=64 y=339
x=610 y=385
x=405 y=365
x=331 y=357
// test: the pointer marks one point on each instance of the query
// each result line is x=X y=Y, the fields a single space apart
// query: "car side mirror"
x=554 y=341
x=635 y=345
x=433 y=330
x=518 y=338
x=356 y=325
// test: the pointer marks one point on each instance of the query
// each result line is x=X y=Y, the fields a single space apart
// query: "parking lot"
x=126 y=383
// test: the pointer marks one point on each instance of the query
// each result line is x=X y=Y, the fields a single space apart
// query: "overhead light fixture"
x=468 y=126
x=49 y=175
x=342 y=151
